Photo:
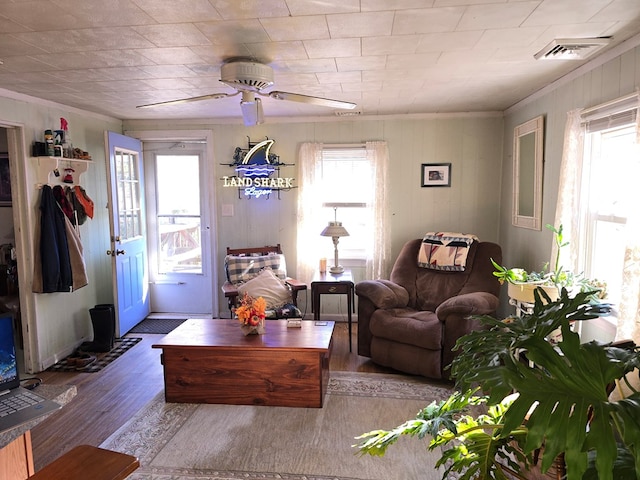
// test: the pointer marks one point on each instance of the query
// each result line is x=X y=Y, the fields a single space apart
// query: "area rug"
x=120 y=346
x=224 y=442
x=157 y=325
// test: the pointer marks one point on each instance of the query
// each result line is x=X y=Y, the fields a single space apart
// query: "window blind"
x=617 y=113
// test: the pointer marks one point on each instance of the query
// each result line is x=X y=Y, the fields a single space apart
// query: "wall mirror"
x=528 y=146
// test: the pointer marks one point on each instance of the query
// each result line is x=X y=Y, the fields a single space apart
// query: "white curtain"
x=309 y=205
x=567 y=207
x=309 y=165
x=378 y=156
x=567 y=214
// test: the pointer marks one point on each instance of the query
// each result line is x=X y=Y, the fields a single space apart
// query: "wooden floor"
x=108 y=398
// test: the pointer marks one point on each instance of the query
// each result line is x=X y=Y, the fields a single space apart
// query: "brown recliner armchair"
x=412 y=321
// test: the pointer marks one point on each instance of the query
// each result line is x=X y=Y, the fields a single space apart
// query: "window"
x=345 y=194
x=178 y=210
x=611 y=167
x=353 y=175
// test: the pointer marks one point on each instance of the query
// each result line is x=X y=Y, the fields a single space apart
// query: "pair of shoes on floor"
x=80 y=359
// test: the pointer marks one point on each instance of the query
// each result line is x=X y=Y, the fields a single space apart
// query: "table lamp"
x=335 y=230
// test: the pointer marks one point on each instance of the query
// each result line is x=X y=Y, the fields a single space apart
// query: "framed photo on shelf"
x=5 y=181
x=436 y=175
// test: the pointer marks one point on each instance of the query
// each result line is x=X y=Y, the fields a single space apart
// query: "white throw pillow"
x=269 y=287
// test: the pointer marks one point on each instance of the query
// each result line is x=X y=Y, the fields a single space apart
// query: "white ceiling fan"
x=249 y=78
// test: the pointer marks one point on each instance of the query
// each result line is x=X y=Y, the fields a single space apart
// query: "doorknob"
x=120 y=252
x=117 y=252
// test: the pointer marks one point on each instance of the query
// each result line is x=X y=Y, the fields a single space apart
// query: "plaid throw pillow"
x=240 y=268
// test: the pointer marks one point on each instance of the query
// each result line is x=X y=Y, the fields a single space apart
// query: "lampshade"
x=334 y=229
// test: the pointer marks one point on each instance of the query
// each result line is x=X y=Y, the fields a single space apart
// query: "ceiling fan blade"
x=191 y=99
x=324 y=102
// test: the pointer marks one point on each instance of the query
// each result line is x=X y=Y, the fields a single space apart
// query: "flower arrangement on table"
x=251 y=314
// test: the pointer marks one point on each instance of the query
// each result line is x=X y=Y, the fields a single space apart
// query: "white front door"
x=128 y=230
x=178 y=227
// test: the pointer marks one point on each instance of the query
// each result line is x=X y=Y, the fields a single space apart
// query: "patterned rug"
x=157 y=325
x=178 y=441
x=102 y=359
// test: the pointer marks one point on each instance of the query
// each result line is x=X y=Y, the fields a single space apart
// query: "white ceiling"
x=388 y=56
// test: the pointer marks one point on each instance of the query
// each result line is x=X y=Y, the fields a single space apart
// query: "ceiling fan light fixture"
x=251 y=107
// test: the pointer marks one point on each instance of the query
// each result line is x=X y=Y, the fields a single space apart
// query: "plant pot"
x=523 y=292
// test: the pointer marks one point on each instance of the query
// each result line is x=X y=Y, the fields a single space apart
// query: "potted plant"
x=544 y=404
x=522 y=284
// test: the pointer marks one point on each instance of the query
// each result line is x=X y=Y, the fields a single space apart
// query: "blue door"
x=128 y=230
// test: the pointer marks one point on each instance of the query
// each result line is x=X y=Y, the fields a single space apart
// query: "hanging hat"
x=84 y=200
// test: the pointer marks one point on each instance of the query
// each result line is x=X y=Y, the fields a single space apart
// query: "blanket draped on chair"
x=445 y=251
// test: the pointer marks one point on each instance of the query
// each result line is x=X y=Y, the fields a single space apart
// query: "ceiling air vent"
x=571 y=48
x=350 y=113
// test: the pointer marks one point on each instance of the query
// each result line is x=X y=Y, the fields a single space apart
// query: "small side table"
x=333 y=284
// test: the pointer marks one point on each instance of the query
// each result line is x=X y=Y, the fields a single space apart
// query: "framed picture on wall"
x=5 y=181
x=436 y=175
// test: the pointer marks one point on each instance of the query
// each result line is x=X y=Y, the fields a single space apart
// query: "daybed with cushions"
x=261 y=272
x=412 y=321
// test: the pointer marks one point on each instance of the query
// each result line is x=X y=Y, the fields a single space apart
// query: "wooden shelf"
x=46 y=165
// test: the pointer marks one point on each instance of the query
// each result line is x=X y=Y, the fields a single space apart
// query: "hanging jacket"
x=52 y=271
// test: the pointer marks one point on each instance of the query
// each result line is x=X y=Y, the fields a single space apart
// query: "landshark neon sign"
x=254 y=168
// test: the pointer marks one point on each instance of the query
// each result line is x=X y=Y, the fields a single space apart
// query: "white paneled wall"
x=471 y=143
x=615 y=78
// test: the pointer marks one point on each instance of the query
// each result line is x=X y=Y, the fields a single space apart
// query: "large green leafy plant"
x=539 y=398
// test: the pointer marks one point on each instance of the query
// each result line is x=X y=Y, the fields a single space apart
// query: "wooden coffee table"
x=211 y=361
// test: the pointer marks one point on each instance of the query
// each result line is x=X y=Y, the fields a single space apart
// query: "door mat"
x=102 y=359
x=157 y=325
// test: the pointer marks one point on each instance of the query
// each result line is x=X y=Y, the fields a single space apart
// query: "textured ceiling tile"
x=174 y=35
x=218 y=54
x=415 y=60
x=373 y=62
x=453 y=3
x=364 y=87
x=340 y=47
x=551 y=12
x=82 y=40
x=316 y=65
x=178 y=11
x=339 y=77
x=390 y=45
x=448 y=41
x=10 y=45
x=480 y=17
x=427 y=20
x=107 y=58
x=277 y=51
x=168 y=71
x=234 y=9
x=512 y=37
x=9 y=26
x=25 y=64
x=296 y=28
x=233 y=31
x=284 y=79
x=377 y=5
x=322 y=7
x=98 y=13
x=38 y=15
x=171 y=55
x=351 y=25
